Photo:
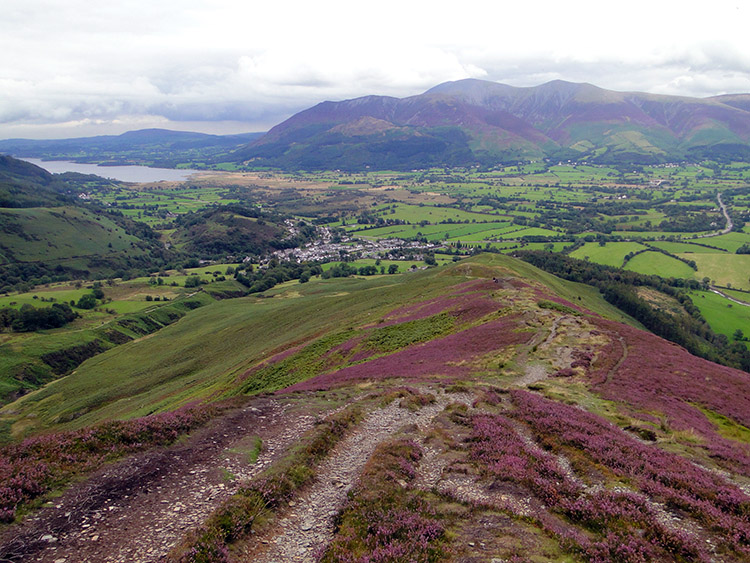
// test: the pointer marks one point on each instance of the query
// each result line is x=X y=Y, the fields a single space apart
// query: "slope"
x=474 y=412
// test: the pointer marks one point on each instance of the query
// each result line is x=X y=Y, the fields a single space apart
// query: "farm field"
x=609 y=254
x=656 y=263
x=729 y=270
x=724 y=316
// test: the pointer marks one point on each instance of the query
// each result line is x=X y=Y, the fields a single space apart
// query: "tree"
x=193 y=281
x=393 y=268
x=738 y=335
x=87 y=301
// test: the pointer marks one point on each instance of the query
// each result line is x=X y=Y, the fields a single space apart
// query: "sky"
x=73 y=68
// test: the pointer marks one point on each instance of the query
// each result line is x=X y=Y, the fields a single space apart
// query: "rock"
x=49 y=538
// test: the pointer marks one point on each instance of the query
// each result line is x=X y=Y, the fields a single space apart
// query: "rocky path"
x=137 y=509
x=307 y=527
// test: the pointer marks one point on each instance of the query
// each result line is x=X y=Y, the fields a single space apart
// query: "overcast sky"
x=72 y=68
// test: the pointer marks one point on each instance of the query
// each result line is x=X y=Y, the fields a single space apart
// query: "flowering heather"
x=450 y=356
x=659 y=376
x=30 y=468
x=624 y=527
x=722 y=507
x=384 y=520
x=461 y=304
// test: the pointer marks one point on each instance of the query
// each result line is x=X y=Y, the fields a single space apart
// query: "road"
x=729 y=225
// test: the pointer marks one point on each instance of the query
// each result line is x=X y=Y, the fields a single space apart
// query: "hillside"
x=473 y=121
x=230 y=230
x=24 y=185
x=150 y=147
x=482 y=410
x=48 y=233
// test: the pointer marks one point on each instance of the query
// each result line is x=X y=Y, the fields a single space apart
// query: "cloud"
x=80 y=65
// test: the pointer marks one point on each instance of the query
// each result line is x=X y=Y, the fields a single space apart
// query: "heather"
x=385 y=519
x=454 y=355
x=609 y=525
x=658 y=376
x=467 y=301
x=36 y=465
x=707 y=497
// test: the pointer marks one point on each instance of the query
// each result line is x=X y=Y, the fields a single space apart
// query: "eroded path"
x=137 y=509
x=307 y=527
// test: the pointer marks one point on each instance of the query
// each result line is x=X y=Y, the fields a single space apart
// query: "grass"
x=656 y=263
x=611 y=254
x=722 y=315
x=723 y=269
x=60 y=233
x=207 y=352
x=727 y=427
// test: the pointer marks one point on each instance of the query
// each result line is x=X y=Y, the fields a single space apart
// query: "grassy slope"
x=201 y=355
x=61 y=233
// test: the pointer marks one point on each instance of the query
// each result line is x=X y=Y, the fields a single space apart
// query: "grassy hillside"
x=25 y=185
x=480 y=410
x=61 y=233
x=205 y=353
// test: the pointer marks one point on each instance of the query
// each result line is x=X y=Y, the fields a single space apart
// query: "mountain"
x=146 y=146
x=474 y=121
x=483 y=410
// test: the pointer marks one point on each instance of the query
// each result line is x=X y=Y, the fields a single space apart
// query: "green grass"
x=727 y=427
x=724 y=316
x=723 y=269
x=730 y=242
x=56 y=234
x=207 y=352
x=656 y=263
x=611 y=254
x=685 y=247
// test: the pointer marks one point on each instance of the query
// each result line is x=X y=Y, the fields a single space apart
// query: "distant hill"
x=23 y=184
x=228 y=231
x=47 y=234
x=475 y=121
x=146 y=146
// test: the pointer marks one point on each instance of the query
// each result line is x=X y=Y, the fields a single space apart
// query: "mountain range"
x=474 y=121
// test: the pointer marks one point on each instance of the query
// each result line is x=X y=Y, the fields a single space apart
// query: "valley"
x=487 y=346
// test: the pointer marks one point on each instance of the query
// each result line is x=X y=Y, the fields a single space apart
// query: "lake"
x=121 y=173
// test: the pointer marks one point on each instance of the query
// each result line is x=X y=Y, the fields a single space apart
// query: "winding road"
x=729 y=225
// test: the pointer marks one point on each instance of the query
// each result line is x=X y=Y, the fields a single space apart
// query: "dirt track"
x=137 y=509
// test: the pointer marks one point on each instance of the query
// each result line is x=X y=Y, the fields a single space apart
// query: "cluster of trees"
x=618 y=287
x=275 y=273
x=29 y=318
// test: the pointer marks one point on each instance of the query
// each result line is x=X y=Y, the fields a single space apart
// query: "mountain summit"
x=475 y=121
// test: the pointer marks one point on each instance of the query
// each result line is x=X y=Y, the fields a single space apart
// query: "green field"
x=722 y=315
x=723 y=269
x=611 y=254
x=656 y=263
x=730 y=242
x=685 y=247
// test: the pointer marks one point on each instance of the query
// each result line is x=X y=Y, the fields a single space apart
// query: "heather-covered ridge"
x=477 y=412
